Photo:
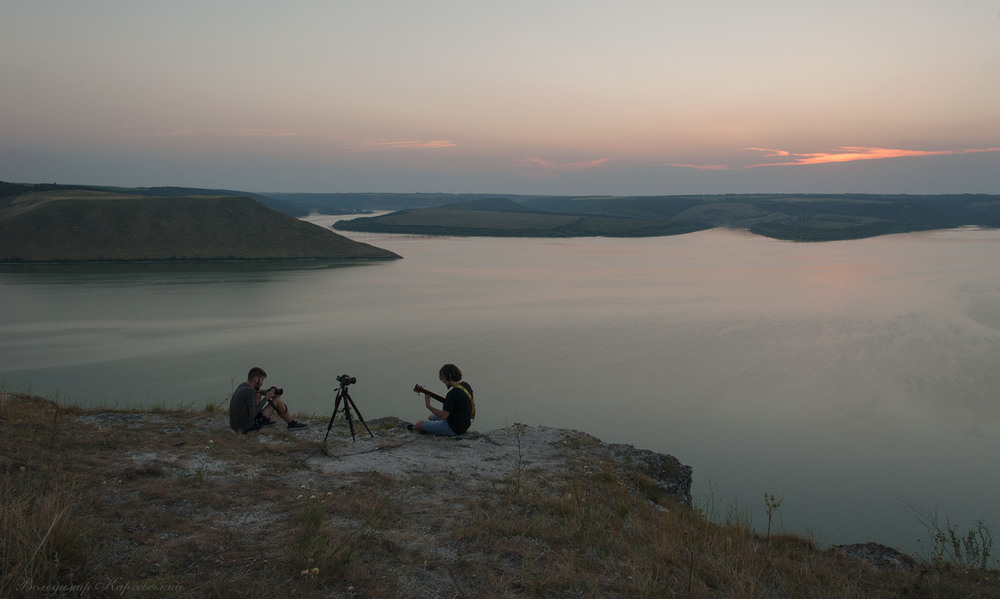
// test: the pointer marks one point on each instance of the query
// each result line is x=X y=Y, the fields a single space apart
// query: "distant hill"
x=498 y=217
x=290 y=208
x=359 y=203
x=809 y=217
x=56 y=223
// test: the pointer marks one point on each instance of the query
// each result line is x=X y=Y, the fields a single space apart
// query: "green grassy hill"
x=507 y=218
x=807 y=217
x=359 y=203
x=62 y=224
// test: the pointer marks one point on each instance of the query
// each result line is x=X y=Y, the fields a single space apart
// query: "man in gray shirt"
x=250 y=409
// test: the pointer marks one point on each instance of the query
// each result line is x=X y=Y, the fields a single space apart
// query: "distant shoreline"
x=800 y=218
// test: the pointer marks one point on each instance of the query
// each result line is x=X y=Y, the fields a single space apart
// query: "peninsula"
x=89 y=225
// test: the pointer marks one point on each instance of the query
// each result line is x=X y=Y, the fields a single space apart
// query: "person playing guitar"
x=458 y=407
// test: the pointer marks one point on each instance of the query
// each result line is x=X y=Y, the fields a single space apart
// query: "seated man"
x=248 y=413
x=458 y=409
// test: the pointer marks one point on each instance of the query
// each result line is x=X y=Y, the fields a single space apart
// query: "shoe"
x=410 y=427
x=261 y=421
x=295 y=424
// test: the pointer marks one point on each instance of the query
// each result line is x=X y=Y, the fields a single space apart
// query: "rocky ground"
x=182 y=486
x=179 y=503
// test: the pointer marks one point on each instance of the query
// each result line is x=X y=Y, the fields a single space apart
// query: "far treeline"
x=801 y=217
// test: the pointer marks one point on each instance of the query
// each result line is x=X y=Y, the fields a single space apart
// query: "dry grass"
x=121 y=504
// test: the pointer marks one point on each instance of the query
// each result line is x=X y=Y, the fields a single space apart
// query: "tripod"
x=343 y=395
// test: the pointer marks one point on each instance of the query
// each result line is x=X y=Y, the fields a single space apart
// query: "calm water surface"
x=854 y=378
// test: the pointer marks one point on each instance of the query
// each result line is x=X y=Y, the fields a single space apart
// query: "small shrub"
x=950 y=546
x=771 y=505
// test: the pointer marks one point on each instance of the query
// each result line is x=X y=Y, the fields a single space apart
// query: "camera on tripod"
x=344 y=401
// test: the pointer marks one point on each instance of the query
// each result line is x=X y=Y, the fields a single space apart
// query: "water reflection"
x=58 y=273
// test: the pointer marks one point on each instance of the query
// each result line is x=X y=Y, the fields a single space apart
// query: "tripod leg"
x=360 y=417
x=347 y=412
x=336 y=406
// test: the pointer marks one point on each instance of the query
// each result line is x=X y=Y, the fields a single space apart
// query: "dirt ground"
x=177 y=498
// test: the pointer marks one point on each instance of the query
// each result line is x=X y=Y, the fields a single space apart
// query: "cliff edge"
x=102 y=503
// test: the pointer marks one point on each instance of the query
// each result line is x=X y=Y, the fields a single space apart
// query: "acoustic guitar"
x=422 y=389
x=472 y=401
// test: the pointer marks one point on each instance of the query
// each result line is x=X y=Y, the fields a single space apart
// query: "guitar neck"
x=422 y=389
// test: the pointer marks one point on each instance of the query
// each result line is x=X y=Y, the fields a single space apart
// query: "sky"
x=630 y=97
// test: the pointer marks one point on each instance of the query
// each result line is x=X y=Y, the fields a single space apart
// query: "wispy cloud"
x=548 y=165
x=837 y=155
x=855 y=153
x=405 y=144
x=155 y=131
x=360 y=145
x=703 y=167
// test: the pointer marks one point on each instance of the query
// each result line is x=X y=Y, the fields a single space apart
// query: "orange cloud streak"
x=854 y=153
x=840 y=154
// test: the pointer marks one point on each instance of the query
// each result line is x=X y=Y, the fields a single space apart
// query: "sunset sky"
x=547 y=97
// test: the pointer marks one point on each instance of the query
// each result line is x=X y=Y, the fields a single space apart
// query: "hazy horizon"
x=553 y=98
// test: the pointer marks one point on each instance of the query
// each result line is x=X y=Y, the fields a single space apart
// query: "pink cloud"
x=158 y=130
x=564 y=166
x=702 y=167
x=838 y=155
x=772 y=152
x=855 y=153
x=207 y=132
x=407 y=144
